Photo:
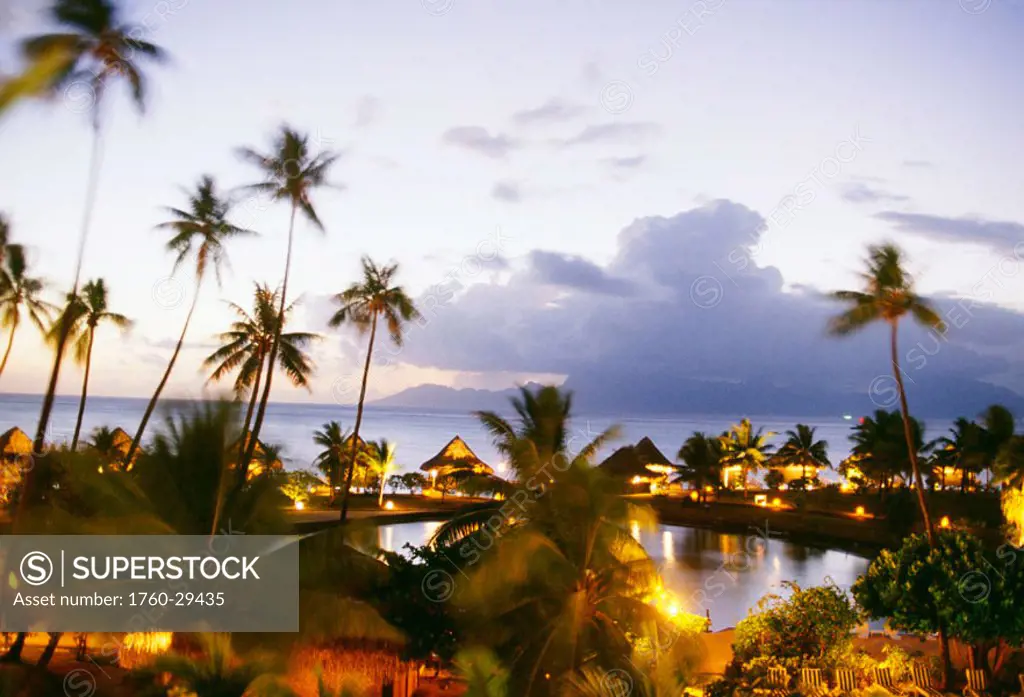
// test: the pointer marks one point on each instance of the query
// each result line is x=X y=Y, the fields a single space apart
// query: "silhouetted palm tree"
x=998 y=424
x=801 y=449
x=88 y=310
x=702 y=459
x=246 y=348
x=20 y=296
x=362 y=305
x=961 y=450
x=95 y=49
x=331 y=460
x=200 y=232
x=888 y=296
x=291 y=173
x=880 y=446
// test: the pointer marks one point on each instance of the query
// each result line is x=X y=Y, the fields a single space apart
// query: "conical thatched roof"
x=456 y=456
x=15 y=442
x=258 y=454
x=649 y=454
x=625 y=463
x=122 y=441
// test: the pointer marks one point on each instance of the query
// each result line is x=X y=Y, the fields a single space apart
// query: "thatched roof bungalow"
x=642 y=465
x=14 y=443
x=456 y=456
x=259 y=458
x=15 y=456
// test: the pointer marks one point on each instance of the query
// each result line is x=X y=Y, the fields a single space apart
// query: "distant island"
x=652 y=396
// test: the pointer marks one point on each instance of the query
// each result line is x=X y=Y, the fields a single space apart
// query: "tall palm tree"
x=331 y=460
x=702 y=457
x=362 y=305
x=246 y=348
x=802 y=450
x=999 y=424
x=291 y=173
x=888 y=296
x=745 y=448
x=95 y=49
x=381 y=459
x=20 y=295
x=88 y=310
x=201 y=232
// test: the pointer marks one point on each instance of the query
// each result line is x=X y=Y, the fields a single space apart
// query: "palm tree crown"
x=97 y=47
x=802 y=450
x=702 y=459
x=20 y=296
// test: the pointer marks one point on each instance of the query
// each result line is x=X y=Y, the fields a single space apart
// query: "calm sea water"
x=419 y=434
x=721 y=574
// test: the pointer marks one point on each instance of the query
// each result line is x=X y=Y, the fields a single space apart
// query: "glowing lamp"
x=694 y=496
x=860 y=511
x=944 y=521
x=776 y=503
x=389 y=505
x=637 y=479
x=299 y=505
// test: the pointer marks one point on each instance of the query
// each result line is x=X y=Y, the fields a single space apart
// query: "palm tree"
x=702 y=456
x=745 y=448
x=104 y=443
x=88 y=310
x=362 y=304
x=880 y=447
x=889 y=296
x=96 y=49
x=381 y=459
x=802 y=450
x=1009 y=468
x=998 y=424
x=201 y=231
x=330 y=461
x=246 y=348
x=291 y=173
x=961 y=450
x=19 y=294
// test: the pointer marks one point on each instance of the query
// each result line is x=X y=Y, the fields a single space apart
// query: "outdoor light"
x=299 y=505
x=776 y=503
x=694 y=496
x=860 y=511
x=944 y=521
x=760 y=500
x=389 y=505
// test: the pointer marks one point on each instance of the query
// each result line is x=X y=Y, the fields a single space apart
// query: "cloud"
x=924 y=164
x=619 y=131
x=668 y=324
x=858 y=192
x=625 y=162
x=1000 y=236
x=367 y=111
x=555 y=110
x=570 y=271
x=480 y=141
x=592 y=75
x=507 y=191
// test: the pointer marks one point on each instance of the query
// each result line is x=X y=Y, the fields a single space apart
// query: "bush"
x=810 y=629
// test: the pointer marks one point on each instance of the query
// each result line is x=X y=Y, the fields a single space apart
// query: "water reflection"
x=722 y=574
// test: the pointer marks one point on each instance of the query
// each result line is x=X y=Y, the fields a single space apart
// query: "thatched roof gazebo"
x=457 y=456
x=640 y=464
x=13 y=443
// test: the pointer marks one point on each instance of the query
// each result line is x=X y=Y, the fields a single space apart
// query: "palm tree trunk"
x=85 y=389
x=911 y=450
x=922 y=501
x=163 y=382
x=65 y=325
x=380 y=496
x=51 y=646
x=10 y=343
x=249 y=412
x=13 y=654
x=359 y=420
x=250 y=447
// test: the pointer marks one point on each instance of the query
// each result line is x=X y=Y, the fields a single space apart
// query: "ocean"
x=418 y=434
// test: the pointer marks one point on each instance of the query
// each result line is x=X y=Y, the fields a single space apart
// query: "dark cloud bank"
x=682 y=321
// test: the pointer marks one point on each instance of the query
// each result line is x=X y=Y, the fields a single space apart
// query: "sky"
x=624 y=195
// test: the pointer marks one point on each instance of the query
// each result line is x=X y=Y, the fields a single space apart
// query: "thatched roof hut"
x=456 y=456
x=15 y=442
x=259 y=458
x=640 y=463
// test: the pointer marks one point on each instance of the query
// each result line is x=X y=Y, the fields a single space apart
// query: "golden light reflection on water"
x=667 y=549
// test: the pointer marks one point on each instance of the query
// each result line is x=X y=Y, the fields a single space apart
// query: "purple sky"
x=518 y=155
